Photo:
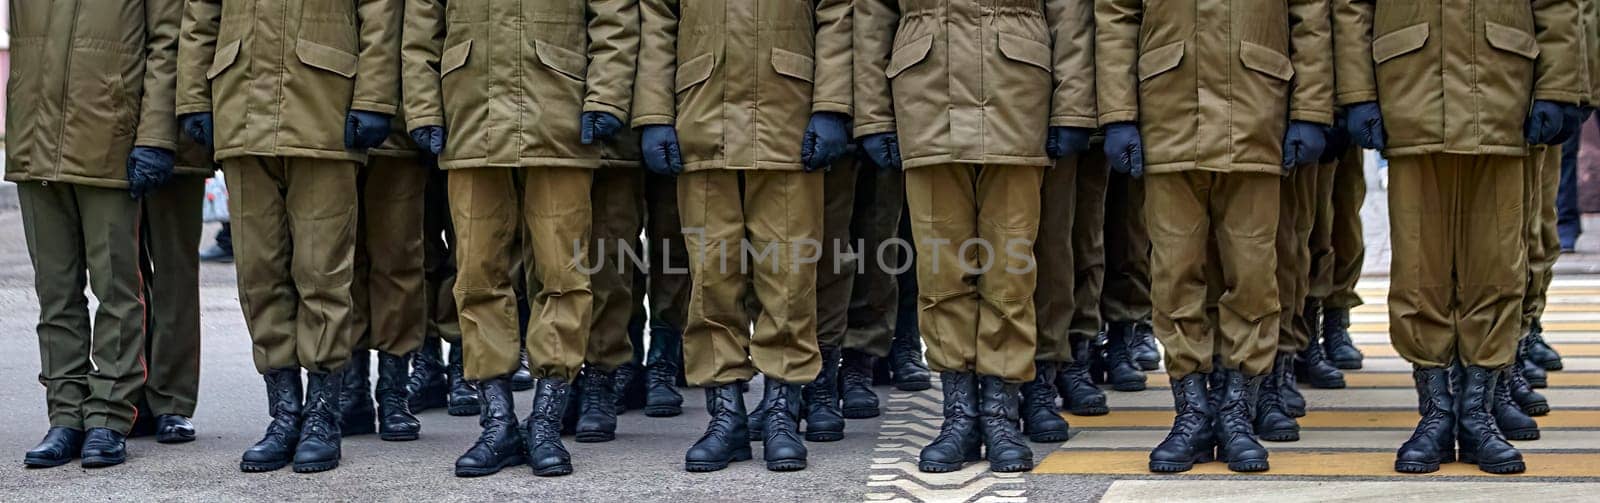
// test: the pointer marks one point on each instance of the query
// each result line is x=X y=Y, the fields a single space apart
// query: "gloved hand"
x=430 y=139
x=1572 y=117
x=1338 y=139
x=364 y=130
x=1303 y=144
x=199 y=126
x=1067 y=141
x=148 y=169
x=1365 y=123
x=883 y=149
x=599 y=127
x=1125 y=148
x=826 y=141
x=659 y=144
x=1545 y=122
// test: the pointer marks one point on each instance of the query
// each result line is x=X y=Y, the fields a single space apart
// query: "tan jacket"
x=1458 y=76
x=1589 y=23
x=973 y=81
x=90 y=79
x=510 y=79
x=1213 y=84
x=193 y=159
x=281 y=75
x=741 y=78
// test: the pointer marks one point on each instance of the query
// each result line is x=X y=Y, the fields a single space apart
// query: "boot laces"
x=546 y=424
x=594 y=395
x=722 y=417
x=780 y=422
x=661 y=374
x=1041 y=395
x=855 y=378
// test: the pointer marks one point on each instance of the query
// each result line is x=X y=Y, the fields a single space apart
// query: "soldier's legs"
x=783 y=217
x=716 y=336
x=1246 y=221
x=874 y=300
x=1089 y=245
x=485 y=209
x=1289 y=245
x=1126 y=295
x=617 y=205
x=557 y=214
x=836 y=271
x=1056 y=296
x=439 y=267
x=392 y=224
x=1322 y=257
x=1349 y=243
x=1544 y=243
x=172 y=230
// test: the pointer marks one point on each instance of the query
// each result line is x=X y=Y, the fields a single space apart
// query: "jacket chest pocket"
x=1506 y=75
x=796 y=74
x=465 y=98
x=330 y=25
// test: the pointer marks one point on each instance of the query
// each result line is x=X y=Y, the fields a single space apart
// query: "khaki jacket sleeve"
x=1355 y=77
x=1559 y=69
x=158 y=123
x=197 y=46
x=873 y=25
x=1072 y=29
x=422 y=46
x=1311 y=38
x=1116 y=59
x=835 y=70
x=613 y=56
x=654 y=101
x=378 y=68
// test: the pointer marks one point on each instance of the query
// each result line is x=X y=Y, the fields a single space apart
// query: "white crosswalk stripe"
x=912 y=421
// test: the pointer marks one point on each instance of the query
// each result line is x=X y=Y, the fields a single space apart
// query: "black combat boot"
x=597 y=406
x=1434 y=441
x=1314 y=369
x=546 y=454
x=463 y=397
x=665 y=358
x=783 y=449
x=522 y=379
x=103 y=447
x=276 y=449
x=395 y=421
x=500 y=446
x=959 y=441
x=1273 y=422
x=727 y=437
x=1193 y=438
x=1041 y=419
x=627 y=386
x=1540 y=351
x=856 y=373
x=320 y=437
x=1532 y=402
x=1336 y=343
x=1144 y=349
x=906 y=367
x=998 y=409
x=1515 y=423
x=428 y=387
x=1481 y=442
x=1079 y=395
x=359 y=416
x=824 y=422
x=1289 y=387
x=1536 y=376
x=60 y=445
x=1121 y=370
x=1236 y=436
x=174 y=429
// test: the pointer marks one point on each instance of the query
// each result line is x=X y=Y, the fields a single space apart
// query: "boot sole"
x=595 y=437
x=1249 y=466
x=1536 y=409
x=103 y=461
x=1012 y=467
x=712 y=466
x=786 y=465
x=824 y=436
x=1147 y=365
x=1297 y=413
x=1280 y=436
x=400 y=437
x=177 y=438
x=1170 y=467
x=663 y=410
x=1523 y=434
x=862 y=413
x=35 y=462
x=1501 y=468
x=1048 y=437
x=1539 y=384
x=1415 y=467
x=253 y=467
x=1128 y=386
x=913 y=386
x=317 y=467
x=468 y=473
x=1090 y=411
x=553 y=471
x=938 y=467
x=464 y=410
x=1347 y=365
x=1551 y=365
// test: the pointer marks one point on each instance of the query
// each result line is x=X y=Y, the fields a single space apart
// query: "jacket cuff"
x=374 y=107
x=1314 y=116
x=1073 y=121
x=200 y=108
x=596 y=106
x=872 y=128
x=1559 y=96
x=164 y=144
x=1348 y=98
x=415 y=123
x=654 y=120
x=1116 y=116
x=831 y=106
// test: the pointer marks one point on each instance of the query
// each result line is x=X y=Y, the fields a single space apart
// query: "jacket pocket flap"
x=223 y=59
x=454 y=58
x=561 y=59
x=1399 y=42
x=1267 y=61
x=1024 y=50
x=907 y=56
x=1160 y=60
x=695 y=71
x=1511 y=40
x=793 y=65
x=327 y=58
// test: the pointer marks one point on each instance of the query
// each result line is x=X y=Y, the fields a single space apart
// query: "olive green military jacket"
x=973 y=81
x=740 y=78
x=510 y=79
x=399 y=143
x=1458 y=76
x=1589 y=23
x=90 y=79
x=280 y=76
x=193 y=159
x=1213 y=84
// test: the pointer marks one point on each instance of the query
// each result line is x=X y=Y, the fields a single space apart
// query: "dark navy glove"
x=1571 y=123
x=1303 y=144
x=1365 y=123
x=364 y=130
x=659 y=144
x=1545 y=122
x=883 y=149
x=1338 y=139
x=599 y=127
x=1125 y=148
x=430 y=139
x=148 y=169
x=827 y=139
x=199 y=126
x=1067 y=141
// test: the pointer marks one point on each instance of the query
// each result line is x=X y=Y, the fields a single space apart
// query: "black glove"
x=883 y=149
x=1365 y=123
x=199 y=126
x=1067 y=141
x=659 y=144
x=1125 y=148
x=1571 y=123
x=599 y=127
x=148 y=169
x=827 y=140
x=365 y=130
x=1303 y=144
x=1338 y=139
x=430 y=139
x=1546 y=120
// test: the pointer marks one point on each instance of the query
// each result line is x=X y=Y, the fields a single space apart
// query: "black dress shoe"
x=174 y=429
x=60 y=445
x=103 y=447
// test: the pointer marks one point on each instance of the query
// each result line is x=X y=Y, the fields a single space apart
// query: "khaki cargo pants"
x=1346 y=232
x=1297 y=215
x=618 y=206
x=836 y=272
x=1071 y=254
x=439 y=259
x=1125 y=293
x=390 y=291
x=880 y=200
x=1542 y=181
x=170 y=263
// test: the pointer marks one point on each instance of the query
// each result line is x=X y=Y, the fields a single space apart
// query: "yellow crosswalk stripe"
x=1336 y=418
x=1355 y=380
x=1549 y=326
x=1324 y=464
x=1569 y=349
